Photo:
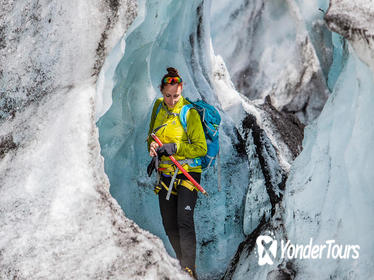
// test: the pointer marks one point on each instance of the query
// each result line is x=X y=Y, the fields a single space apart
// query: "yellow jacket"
x=174 y=132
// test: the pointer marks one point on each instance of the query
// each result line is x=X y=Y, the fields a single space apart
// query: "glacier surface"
x=151 y=46
x=255 y=157
x=269 y=51
x=328 y=195
x=57 y=217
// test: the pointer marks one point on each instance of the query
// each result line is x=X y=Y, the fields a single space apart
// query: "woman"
x=186 y=145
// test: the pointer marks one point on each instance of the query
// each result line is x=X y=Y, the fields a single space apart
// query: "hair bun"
x=172 y=71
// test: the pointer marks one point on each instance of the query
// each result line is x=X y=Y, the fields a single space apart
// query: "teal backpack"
x=210 y=120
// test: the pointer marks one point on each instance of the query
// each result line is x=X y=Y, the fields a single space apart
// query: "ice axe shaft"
x=197 y=185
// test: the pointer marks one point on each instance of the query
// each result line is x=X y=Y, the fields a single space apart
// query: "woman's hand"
x=167 y=149
x=152 y=149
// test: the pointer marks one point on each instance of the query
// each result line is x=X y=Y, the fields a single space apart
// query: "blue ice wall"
x=171 y=33
x=177 y=33
x=329 y=191
x=330 y=46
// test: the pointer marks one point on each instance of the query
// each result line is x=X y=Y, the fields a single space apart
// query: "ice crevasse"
x=335 y=169
x=328 y=195
x=150 y=46
x=254 y=157
x=57 y=217
x=123 y=131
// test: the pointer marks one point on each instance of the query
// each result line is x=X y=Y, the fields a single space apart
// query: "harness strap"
x=184 y=161
x=157 y=188
x=172 y=183
x=169 y=171
x=171 y=189
x=167 y=188
x=186 y=183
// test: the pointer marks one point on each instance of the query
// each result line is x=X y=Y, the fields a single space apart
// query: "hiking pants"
x=177 y=218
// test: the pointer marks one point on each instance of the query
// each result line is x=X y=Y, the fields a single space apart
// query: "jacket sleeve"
x=152 y=122
x=195 y=133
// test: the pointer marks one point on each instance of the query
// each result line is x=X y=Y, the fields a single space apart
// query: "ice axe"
x=193 y=181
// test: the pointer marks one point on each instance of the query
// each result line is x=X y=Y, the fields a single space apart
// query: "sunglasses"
x=172 y=80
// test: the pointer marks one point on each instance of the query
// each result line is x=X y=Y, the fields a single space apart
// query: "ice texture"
x=328 y=195
x=46 y=46
x=149 y=49
x=354 y=21
x=57 y=218
x=151 y=45
x=268 y=51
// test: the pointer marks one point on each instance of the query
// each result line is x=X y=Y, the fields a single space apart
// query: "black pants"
x=177 y=218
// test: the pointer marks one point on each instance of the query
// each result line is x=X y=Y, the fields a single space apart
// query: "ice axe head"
x=156 y=129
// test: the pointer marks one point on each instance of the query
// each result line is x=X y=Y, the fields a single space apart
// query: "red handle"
x=180 y=167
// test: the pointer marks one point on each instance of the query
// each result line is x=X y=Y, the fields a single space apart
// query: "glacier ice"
x=150 y=48
x=56 y=215
x=356 y=25
x=328 y=191
x=57 y=218
x=29 y=73
x=219 y=220
x=268 y=51
x=328 y=194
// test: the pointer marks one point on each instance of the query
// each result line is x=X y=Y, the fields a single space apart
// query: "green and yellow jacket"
x=174 y=132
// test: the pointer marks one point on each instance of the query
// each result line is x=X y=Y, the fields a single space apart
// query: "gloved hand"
x=167 y=149
x=152 y=165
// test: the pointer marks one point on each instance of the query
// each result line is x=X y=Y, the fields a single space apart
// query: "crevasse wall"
x=329 y=194
x=57 y=218
x=149 y=47
x=276 y=48
x=171 y=33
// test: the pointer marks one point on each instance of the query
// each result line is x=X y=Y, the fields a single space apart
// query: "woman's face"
x=172 y=94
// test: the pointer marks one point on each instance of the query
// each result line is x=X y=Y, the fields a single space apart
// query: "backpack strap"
x=183 y=120
x=183 y=115
x=158 y=109
x=155 y=111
